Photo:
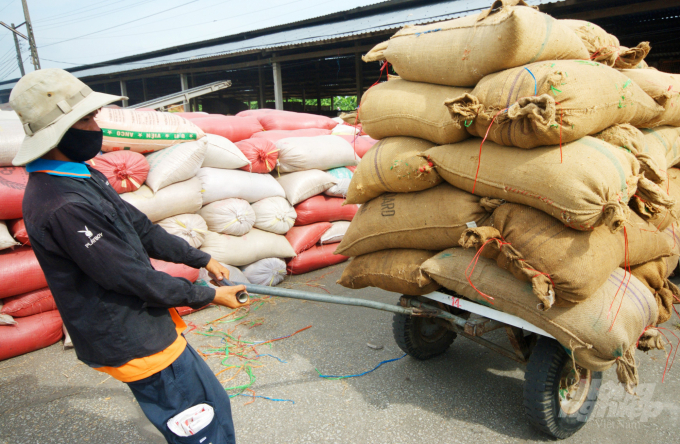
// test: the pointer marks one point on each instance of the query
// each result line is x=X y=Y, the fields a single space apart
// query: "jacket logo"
x=92 y=238
x=87 y=232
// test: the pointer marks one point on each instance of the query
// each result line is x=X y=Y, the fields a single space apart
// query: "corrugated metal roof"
x=380 y=21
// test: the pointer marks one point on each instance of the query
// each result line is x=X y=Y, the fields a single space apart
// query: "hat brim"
x=47 y=138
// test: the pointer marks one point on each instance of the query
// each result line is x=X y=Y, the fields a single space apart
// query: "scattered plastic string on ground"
x=666 y=368
x=239 y=357
x=253 y=395
x=336 y=377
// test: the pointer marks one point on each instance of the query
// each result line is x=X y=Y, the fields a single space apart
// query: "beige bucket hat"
x=49 y=102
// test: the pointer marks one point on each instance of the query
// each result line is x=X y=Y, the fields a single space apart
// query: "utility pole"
x=19 y=59
x=31 y=38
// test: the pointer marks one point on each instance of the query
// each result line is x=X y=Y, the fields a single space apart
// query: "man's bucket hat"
x=49 y=102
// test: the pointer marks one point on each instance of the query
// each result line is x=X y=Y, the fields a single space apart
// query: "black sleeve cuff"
x=202 y=296
x=196 y=258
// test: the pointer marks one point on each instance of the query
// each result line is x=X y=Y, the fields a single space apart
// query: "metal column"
x=278 y=85
x=184 y=81
x=261 y=100
x=318 y=87
x=360 y=76
x=123 y=92
x=144 y=89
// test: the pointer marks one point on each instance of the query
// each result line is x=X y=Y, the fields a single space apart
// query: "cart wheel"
x=556 y=400
x=420 y=337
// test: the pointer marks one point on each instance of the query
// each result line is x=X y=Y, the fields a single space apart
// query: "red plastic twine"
x=475 y=259
x=479 y=161
x=626 y=270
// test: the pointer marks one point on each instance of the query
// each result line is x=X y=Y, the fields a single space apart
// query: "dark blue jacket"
x=94 y=249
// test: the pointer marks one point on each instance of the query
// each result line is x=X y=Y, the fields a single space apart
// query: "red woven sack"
x=176 y=270
x=315 y=258
x=352 y=168
x=17 y=229
x=30 y=334
x=28 y=304
x=13 y=182
x=261 y=153
x=304 y=238
x=361 y=144
x=275 y=136
x=192 y=116
x=288 y=120
x=125 y=170
x=20 y=272
x=323 y=208
x=230 y=127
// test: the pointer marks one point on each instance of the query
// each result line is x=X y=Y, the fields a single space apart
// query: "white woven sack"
x=229 y=216
x=302 y=185
x=6 y=239
x=236 y=275
x=190 y=227
x=222 y=153
x=221 y=184
x=335 y=233
x=244 y=250
x=175 y=164
x=274 y=214
x=345 y=130
x=270 y=271
x=178 y=198
x=320 y=152
x=11 y=136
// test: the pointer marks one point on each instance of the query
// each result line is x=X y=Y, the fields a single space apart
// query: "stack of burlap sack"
x=510 y=170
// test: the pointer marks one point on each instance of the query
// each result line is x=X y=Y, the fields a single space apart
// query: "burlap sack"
x=590 y=187
x=390 y=270
x=585 y=329
x=664 y=88
x=460 y=52
x=402 y=108
x=653 y=275
x=549 y=103
x=666 y=138
x=564 y=265
x=432 y=219
x=392 y=165
x=605 y=48
x=652 y=156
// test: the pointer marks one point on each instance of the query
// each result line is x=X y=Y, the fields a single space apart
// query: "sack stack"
x=514 y=142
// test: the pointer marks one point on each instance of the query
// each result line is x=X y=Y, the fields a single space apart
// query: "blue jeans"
x=186 y=382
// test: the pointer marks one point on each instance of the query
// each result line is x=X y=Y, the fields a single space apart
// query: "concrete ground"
x=468 y=394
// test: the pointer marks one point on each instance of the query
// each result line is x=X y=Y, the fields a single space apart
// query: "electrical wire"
x=63 y=15
x=7 y=5
x=121 y=24
x=93 y=16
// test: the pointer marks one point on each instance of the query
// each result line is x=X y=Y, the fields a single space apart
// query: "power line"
x=93 y=16
x=91 y=8
x=7 y=5
x=116 y=26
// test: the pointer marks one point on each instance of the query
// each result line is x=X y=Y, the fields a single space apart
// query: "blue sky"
x=77 y=32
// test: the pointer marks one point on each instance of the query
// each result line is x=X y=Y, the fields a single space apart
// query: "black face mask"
x=81 y=145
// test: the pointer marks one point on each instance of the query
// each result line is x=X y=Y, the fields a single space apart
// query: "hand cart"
x=558 y=395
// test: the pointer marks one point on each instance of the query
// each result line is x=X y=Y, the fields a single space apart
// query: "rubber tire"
x=406 y=330
x=541 y=386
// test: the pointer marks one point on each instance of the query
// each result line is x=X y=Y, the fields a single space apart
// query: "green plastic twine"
x=467 y=125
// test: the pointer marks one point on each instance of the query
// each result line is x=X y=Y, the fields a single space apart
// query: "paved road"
x=468 y=394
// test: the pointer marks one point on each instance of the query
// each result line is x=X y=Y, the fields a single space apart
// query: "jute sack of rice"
x=605 y=48
x=390 y=270
x=664 y=88
x=402 y=108
x=653 y=275
x=666 y=138
x=548 y=103
x=595 y=337
x=432 y=219
x=652 y=156
x=393 y=165
x=591 y=186
x=563 y=265
x=460 y=52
